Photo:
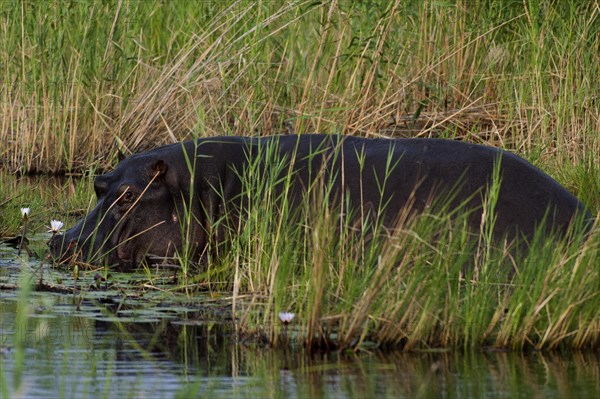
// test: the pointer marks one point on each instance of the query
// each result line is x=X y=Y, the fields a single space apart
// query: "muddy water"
x=72 y=345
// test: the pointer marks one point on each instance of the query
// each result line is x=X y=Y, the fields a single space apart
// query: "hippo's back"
x=397 y=172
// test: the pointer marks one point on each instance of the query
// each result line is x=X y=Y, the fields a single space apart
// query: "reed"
x=430 y=283
x=84 y=78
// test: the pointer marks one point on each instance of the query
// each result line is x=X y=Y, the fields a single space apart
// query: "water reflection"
x=67 y=355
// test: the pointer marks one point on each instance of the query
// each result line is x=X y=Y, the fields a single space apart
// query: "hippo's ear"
x=120 y=155
x=161 y=173
x=158 y=168
x=121 y=149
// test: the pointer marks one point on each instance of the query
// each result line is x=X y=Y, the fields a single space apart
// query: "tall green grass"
x=430 y=285
x=432 y=281
x=81 y=76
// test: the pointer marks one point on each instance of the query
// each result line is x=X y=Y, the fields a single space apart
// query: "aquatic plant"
x=55 y=226
x=25 y=216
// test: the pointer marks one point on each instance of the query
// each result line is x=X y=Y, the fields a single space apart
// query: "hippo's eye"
x=126 y=197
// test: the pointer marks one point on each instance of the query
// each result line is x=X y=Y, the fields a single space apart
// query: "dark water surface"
x=161 y=350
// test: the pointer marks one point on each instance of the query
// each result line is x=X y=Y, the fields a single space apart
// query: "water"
x=73 y=346
x=71 y=356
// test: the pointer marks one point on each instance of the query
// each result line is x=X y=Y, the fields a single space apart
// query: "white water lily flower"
x=286 y=317
x=25 y=212
x=55 y=226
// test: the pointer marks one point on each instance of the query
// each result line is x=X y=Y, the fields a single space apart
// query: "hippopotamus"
x=156 y=203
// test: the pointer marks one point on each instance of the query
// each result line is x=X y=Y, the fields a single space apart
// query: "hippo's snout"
x=61 y=249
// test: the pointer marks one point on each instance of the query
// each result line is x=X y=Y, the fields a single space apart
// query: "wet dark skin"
x=149 y=199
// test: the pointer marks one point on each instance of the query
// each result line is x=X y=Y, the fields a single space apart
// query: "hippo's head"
x=136 y=216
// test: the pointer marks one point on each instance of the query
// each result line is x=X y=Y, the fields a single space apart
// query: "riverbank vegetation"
x=431 y=282
x=81 y=79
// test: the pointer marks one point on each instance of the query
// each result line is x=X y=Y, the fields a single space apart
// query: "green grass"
x=430 y=284
x=83 y=77
x=47 y=197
